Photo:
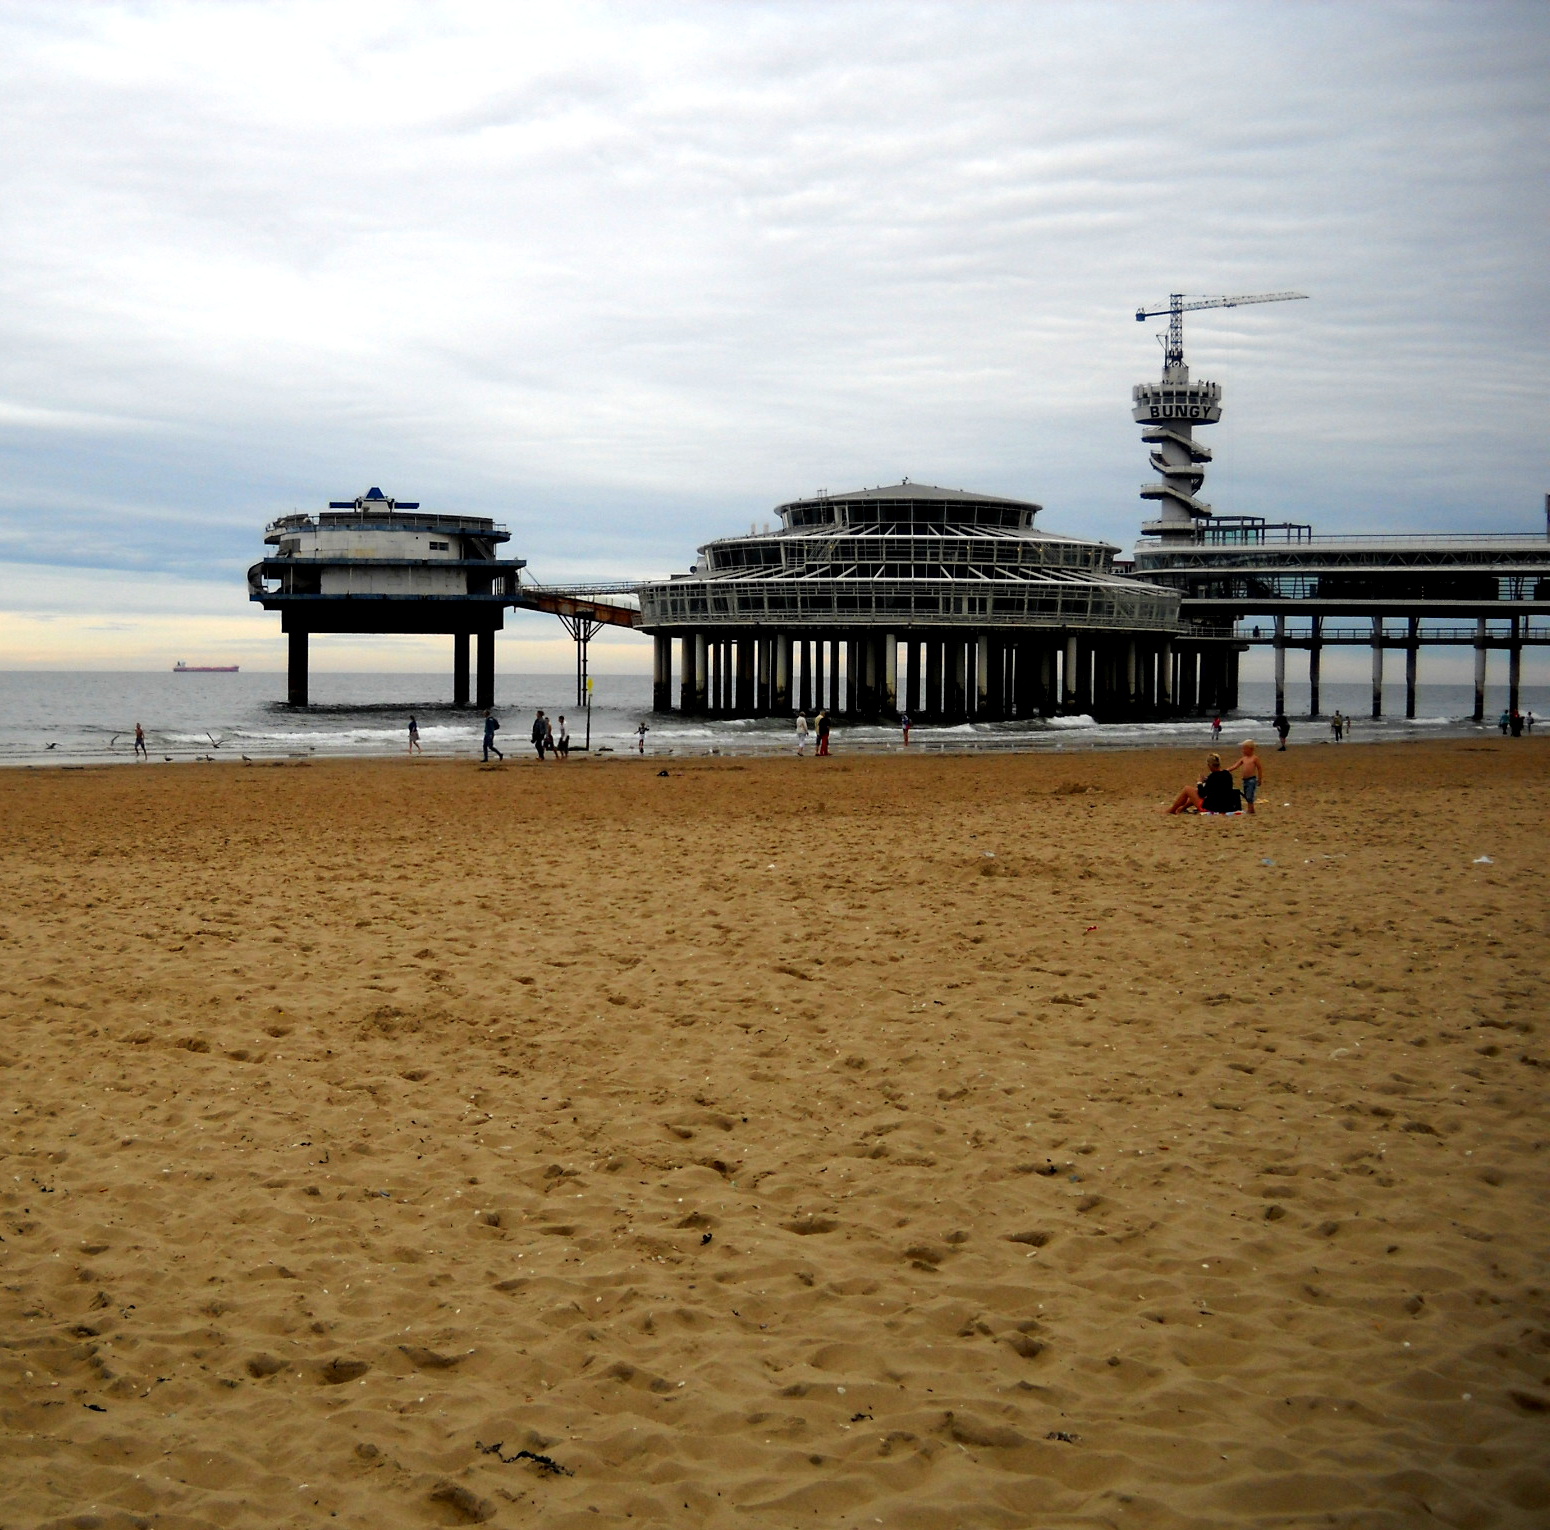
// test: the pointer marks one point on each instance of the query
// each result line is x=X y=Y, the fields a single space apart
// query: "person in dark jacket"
x=491 y=723
x=823 y=733
x=1215 y=793
x=540 y=733
x=1283 y=726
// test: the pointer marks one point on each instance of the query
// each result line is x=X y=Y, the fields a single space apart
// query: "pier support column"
x=1230 y=700
x=804 y=677
x=1514 y=666
x=1377 y=666
x=1412 y=647
x=816 y=699
x=954 y=700
x=853 y=662
x=1049 y=701
x=834 y=677
x=1480 y=653
x=980 y=650
x=1315 y=653
x=1165 y=677
x=296 y=670
x=1280 y=652
x=686 y=647
x=661 y=672
x=742 y=700
x=782 y=702
x=912 y=700
x=890 y=675
x=1132 y=678
x=484 y=670
x=931 y=706
x=460 y=669
x=764 y=669
x=1068 y=684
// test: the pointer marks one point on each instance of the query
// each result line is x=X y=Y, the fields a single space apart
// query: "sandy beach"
x=916 y=1142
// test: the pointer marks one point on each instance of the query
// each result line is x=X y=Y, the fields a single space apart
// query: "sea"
x=59 y=718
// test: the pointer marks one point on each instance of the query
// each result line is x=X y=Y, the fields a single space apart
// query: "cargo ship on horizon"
x=180 y=668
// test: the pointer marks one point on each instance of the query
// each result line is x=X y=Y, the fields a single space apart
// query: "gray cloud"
x=628 y=276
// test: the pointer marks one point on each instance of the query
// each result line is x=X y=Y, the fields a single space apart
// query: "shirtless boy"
x=1252 y=769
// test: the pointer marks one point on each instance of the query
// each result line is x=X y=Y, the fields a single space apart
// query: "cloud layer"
x=628 y=276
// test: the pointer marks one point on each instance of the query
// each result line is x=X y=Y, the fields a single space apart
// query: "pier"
x=948 y=605
x=374 y=564
x=1282 y=587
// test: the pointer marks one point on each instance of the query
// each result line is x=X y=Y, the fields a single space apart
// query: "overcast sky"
x=628 y=275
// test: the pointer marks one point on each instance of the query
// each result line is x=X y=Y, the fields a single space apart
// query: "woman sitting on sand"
x=1214 y=794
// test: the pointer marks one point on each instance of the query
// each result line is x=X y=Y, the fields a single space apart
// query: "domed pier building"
x=944 y=604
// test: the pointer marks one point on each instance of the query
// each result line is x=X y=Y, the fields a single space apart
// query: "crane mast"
x=1170 y=410
x=1179 y=305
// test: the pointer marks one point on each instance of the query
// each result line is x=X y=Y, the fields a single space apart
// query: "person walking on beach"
x=540 y=732
x=414 y=737
x=801 y=734
x=640 y=738
x=823 y=733
x=1216 y=729
x=1528 y=721
x=1252 y=769
x=1337 y=726
x=141 y=752
x=1283 y=726
x=905 y=725
x=1505 y=721
x=562 y=740
x=491 y=723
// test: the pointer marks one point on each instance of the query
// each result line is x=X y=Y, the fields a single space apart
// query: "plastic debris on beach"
x=1483 y=860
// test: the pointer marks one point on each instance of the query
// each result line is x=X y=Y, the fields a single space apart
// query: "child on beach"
x=1252 y=769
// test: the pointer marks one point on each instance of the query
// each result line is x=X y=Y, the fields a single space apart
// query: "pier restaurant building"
x=945 y=604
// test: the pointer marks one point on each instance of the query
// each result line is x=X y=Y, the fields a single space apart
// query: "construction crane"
x=1173 y=350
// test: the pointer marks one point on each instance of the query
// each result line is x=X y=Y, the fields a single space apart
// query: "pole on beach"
x=1412 y=648
x=589 y=715
x=1377 y=666
x=1480 y=653
x=1280 y=659
x=1315 y=652
x=1514 y=666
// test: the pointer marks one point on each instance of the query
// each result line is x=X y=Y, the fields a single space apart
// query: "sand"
x=875 y=1141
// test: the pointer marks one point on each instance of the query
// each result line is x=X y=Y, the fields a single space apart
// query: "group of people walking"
x=547 y=737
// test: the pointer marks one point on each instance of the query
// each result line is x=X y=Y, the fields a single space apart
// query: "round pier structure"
x=944 y=604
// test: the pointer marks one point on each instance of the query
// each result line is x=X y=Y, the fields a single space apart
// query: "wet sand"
x=918 y=1142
